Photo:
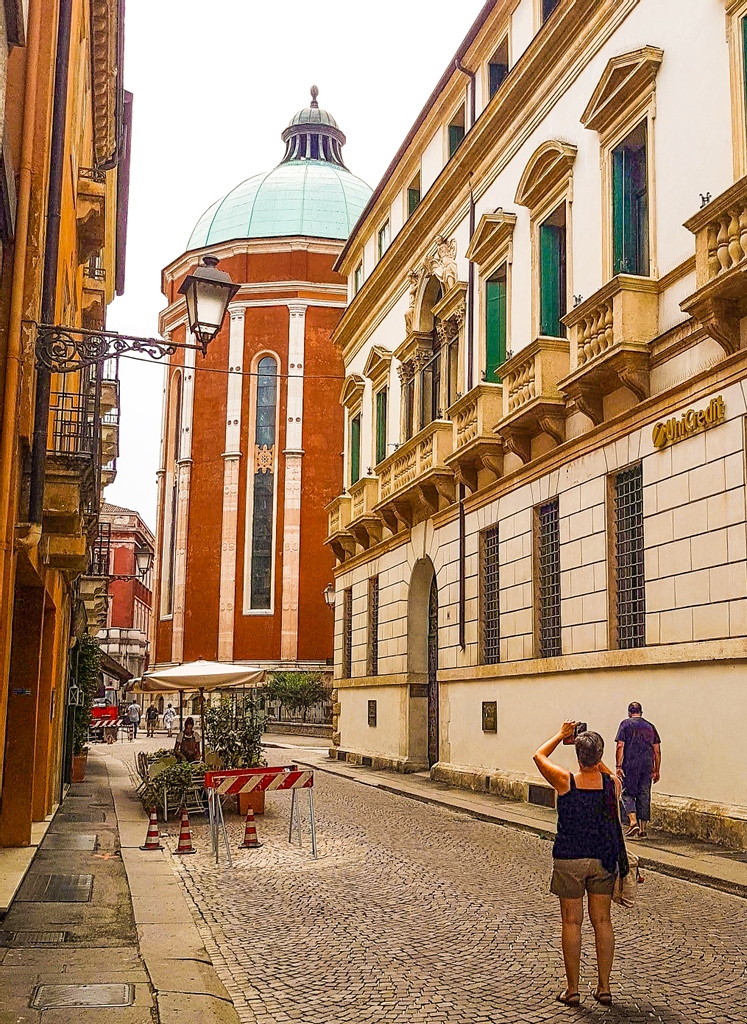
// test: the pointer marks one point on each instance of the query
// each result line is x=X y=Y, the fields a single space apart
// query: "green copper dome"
x=311 y=192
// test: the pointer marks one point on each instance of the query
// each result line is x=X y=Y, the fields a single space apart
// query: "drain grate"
x=70 y=841
x=32 y=938
x=45 y=997
x=56 y=889
x=88 y=816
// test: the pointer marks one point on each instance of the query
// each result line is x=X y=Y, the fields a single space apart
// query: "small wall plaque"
x=372 y=713
x=490 y=716
x=418 y=689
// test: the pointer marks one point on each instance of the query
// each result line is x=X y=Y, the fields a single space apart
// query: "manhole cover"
x=70 y=841
x=47 y=996
x=32 y=938
x=87 y=816
x=56 y=889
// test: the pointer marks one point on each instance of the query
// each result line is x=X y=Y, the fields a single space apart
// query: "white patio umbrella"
x=200 y=675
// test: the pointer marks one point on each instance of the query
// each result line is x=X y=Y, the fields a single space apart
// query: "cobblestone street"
x=414 y=914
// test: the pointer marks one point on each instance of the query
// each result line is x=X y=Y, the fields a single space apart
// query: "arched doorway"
x=422 y=660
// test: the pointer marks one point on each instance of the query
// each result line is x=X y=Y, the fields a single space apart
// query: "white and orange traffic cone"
x=153 y=836
x=185 y=835
x=250 y=833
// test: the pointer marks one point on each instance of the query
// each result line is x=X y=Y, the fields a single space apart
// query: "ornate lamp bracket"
x=69 y=349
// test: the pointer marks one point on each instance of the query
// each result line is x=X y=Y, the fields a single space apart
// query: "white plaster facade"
x=579 y=83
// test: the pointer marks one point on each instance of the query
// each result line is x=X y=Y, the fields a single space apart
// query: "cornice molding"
x=250 y=247
x=104 y=73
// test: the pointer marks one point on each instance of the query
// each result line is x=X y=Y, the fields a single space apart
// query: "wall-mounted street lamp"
x=207 y=291
x=143 y=561
x=329 y=595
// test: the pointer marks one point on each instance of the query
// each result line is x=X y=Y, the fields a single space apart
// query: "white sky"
x=214 y=84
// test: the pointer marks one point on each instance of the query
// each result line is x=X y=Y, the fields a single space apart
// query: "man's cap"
x=635 y=708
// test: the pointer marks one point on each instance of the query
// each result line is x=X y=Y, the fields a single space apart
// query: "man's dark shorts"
x=636 y=794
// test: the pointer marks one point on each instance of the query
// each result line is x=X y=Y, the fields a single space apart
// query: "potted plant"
x=233 y=731
x=85 y=678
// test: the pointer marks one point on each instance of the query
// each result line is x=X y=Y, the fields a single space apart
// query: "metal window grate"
x=491 y=623
x=548 y=583
x=373 y=626
x=629 y=562
x=347 y=633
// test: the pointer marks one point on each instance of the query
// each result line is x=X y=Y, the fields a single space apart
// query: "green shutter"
x=552 y=280
x=618 y=211
x=413 y=200
x=456 y=134
x=495 y=327
x=381 y=425
x=630 y=205
x=355 y=449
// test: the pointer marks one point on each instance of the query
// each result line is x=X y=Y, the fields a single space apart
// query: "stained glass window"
x=263 y=505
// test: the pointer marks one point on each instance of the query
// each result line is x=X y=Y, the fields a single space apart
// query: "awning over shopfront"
x=200 y=675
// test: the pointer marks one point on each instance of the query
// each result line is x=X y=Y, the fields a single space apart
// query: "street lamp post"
x=143 y=561
x=329 y=595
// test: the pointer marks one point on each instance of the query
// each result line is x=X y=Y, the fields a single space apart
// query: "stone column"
x=184 y=476
x=231 y=464
x=293 y=453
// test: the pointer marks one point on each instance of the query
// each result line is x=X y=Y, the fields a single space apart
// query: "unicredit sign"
x=689 y=423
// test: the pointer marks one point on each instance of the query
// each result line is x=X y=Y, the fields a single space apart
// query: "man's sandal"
x=569 y=998
x=631 y=832
x=603 y=998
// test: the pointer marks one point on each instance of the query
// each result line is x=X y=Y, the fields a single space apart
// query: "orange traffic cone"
x=153 y=837
x=250 y=833
x=185 y=835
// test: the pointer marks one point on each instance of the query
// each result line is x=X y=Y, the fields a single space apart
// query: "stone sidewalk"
x=98 y=919
x=703 y=863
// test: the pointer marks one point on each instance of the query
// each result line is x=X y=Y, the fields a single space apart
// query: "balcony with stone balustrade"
x=365 y=525
x=475 y=444
x=338 y=539
x=609 y=343
x=532 y=401
x=416 y=481
x=720 y=299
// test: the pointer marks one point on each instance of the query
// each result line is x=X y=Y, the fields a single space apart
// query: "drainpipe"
x=13 y=374
x=471 y=271
x=51 y=257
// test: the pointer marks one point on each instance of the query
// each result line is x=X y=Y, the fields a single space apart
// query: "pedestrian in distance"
x=587 y=854
x=638 y=761
x=133 y=717
x=187 y=746
x=168 y=720
x=151 y=717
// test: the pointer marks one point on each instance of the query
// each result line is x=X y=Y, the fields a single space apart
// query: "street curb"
x=646 y=861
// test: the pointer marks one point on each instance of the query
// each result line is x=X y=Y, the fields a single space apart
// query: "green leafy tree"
x=85 y=675
x=233 y=730
x=297 y=691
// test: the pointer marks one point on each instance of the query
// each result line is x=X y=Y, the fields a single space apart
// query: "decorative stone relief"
x=443 y=263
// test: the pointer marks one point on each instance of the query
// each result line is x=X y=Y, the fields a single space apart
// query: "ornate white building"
x=547 y=378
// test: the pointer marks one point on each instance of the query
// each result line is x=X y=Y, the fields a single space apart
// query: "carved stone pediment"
x=416 y=344
x=626 y=79
x=549 y=166
x=453 y=305
x=352 y=390
x=493 y=233
x=378 y=363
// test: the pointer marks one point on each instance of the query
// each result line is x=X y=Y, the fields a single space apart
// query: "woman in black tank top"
x=586 y=854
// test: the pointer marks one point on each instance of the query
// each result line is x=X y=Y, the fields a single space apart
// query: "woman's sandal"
x=569 y=998
x=603 y=998
x=631 y=831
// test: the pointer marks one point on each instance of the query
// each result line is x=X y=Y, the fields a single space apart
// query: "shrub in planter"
x=233 y=730
x=85 y=675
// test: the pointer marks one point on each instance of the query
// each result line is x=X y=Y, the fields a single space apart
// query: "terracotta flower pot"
x=254 y=800
x=79 y=767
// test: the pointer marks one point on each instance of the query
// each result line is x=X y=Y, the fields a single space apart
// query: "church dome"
x=311 y=191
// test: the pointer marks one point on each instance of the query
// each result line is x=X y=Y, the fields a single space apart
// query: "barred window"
x=547 y=579
x=373 y=626
x=490 y=590
x=347 y=633
x=630 y=584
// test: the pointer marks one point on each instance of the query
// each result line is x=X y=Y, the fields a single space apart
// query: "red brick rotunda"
x=250 y=455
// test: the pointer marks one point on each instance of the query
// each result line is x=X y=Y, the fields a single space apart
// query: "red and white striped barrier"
x=258 y=780
x=249 y=781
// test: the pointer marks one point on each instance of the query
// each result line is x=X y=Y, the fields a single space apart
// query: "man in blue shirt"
x=638 y=765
